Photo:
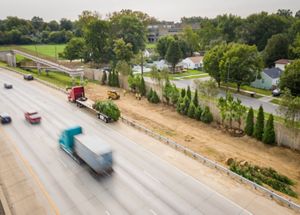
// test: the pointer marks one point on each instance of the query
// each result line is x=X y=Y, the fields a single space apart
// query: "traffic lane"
x=100 y=122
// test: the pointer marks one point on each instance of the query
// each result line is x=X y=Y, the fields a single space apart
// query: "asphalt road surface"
x=141 y=183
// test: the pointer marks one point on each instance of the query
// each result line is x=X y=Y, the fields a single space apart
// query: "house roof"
x=196 y=59
x=273 y=72
x=282 y=61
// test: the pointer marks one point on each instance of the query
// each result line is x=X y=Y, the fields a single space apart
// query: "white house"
x=281 y=63
x=269 y=79
x=195 y=62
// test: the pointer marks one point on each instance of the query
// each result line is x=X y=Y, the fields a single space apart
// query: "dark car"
x=28 y=77
x=8 y=86
x=5 y=118
x=276 y=92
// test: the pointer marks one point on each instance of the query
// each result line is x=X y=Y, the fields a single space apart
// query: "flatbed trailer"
x=87 y=103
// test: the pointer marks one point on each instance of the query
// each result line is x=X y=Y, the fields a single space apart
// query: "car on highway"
x=8 y=86
x=5 y=118
x=276 y=92
x=33 y=117
x=28 y=77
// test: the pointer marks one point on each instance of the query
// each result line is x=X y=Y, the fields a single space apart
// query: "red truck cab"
x=76 y=93
x=33 y=117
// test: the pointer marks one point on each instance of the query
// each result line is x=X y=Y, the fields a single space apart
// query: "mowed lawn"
x=50 y=51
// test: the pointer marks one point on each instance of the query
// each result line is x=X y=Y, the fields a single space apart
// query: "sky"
x=169 y=10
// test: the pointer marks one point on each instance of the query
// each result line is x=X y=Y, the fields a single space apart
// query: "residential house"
x=281 y=63
x=269 y=78
x=195 y=62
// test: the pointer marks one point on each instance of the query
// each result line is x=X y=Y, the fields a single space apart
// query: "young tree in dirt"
x=142 y=88
x=182 y=93
x=269 y=132
x=191 y=110
x=174 y=94
x=195 y=99
x=249 y=128
x=110 y=78
x=167 y=90
x=240 y=111
x=184 y=106
x=241 y=64
x=208 y=90
x=206 y=116
x=150 y=95
x=211 y=62
x=104 y=78
x=174 y=54
x=260 y=124
x=189 y=93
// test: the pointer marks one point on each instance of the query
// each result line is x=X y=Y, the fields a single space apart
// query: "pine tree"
x=179 y=101
x=117 y=83
x=249 y=123
x=259 y=125
x=185 y=105
x=195 y=99
x=182 y=93
x=155 y=99
x=143 y=87
x=198 y=113
x=206 y=116
x=189 y=93
x=269 y=132
x=104 y=78
x=110 y=77
x=149 y=95
x=191 y=110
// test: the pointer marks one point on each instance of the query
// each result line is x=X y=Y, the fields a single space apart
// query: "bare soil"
x=205 y=139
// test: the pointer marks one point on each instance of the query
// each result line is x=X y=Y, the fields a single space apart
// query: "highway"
x=142 y=183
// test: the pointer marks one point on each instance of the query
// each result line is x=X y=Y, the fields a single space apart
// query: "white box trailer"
x=96 y=153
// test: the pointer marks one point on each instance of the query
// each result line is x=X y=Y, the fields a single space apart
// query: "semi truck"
x=88 y=149
x=77 y=95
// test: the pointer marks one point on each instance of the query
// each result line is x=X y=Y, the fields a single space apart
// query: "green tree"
x=191 y=110
x=241 y=64
x=195 y=99
x=184 y=106
x=211 y=61
x=173 y=54
x=206 y=116
x=142 y=88
x=122 y=50
x=96 y=37
x=191 y=38
x=290 y=78
x=276 y=48
x=249 y=128
x=66 y=24
x=123 y=68
x=182 y=93
x=198 y=113
x=108 y=108
x=294 y=48
x=163 y=45
x=239 y=112
x=175 y=95
x=189 y=93
x=74 y=49
x=269 y=132
x=259 y=125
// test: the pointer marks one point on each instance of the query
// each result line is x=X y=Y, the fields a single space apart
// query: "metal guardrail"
x=212 y=164
x=195 y=155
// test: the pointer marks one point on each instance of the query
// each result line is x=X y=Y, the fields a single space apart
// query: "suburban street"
x=141 y=183
x=246 y=100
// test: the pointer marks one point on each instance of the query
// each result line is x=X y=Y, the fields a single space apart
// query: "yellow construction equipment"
x=112 y=94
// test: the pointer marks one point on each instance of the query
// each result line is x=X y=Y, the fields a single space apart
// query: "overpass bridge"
x=10 y=58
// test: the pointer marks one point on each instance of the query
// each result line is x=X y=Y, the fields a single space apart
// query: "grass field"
x=50 y=51
x=249 y=88
x=150 y=45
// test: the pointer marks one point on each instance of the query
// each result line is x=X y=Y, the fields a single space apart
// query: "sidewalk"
x=19 y=191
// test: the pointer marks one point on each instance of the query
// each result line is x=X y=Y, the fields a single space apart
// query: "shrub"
x=175 y=94
x=184 y=106
x=179 y=101
x=198 y=113
x=206 y=116
x=269 y=133
x=259 y=125
x=150 y=95
x=108 y=108
x=134 y=82
x=155 y=99
x=191 y=110
x=249 y=123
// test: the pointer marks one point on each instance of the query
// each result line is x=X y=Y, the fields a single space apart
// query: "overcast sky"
x=171 y=10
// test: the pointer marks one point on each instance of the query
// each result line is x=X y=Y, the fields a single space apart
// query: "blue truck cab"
x=66 y=139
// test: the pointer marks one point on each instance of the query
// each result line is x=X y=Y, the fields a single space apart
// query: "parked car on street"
x=276 y=92
x=5 y=118
x=8 y=86
x=28 y=77
x=33 y=117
